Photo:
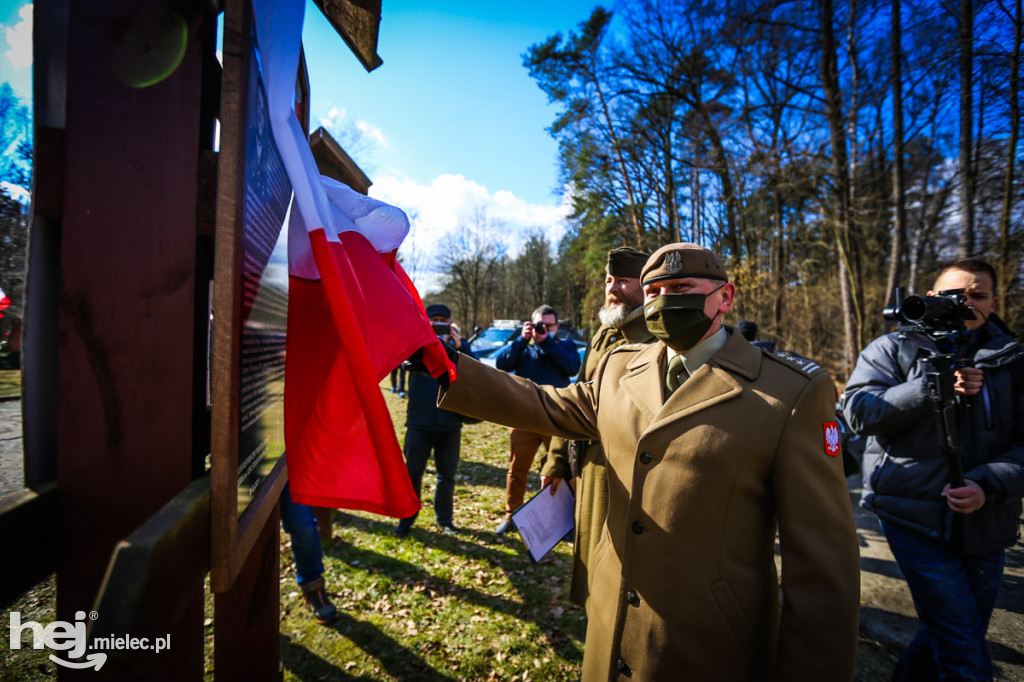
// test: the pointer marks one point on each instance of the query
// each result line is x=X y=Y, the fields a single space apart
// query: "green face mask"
x=678 y=319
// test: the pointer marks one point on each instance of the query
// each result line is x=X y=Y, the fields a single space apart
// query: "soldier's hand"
x=545 y=480
x=966 y=499
x=968 y=381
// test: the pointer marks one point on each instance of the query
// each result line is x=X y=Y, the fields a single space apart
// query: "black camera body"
x=539 y=328
x=939 y=315
x=442 y=328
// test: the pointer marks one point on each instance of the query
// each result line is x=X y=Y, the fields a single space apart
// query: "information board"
x=264 y=297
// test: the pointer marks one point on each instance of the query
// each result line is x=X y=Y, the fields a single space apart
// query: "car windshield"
x=492 y=338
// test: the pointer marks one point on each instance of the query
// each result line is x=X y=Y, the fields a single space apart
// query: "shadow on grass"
x=521 y=573
x=398 y=660
x=479 y=473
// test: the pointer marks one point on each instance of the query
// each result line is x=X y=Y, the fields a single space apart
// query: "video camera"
x=939 y=315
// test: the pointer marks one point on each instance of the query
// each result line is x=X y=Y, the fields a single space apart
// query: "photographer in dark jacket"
x=539 y=356
x=949 y=541
x=429 y=428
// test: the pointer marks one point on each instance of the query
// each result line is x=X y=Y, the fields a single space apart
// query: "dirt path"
x=12 y=475
x=887 y=615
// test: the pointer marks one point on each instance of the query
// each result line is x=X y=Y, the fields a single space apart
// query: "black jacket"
x=422 y=412
x=904 y=468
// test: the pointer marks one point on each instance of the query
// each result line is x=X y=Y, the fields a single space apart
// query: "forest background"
x=829 y=151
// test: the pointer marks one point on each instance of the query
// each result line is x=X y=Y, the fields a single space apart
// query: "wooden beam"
x=28 y=519
x=151 y=572
x=358 y=23
x=334 y=162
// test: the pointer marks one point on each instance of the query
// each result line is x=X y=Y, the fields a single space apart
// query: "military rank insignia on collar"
x=831 y=431
x=806 y=365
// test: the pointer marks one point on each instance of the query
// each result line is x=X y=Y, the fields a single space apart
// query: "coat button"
x=645 y=457
x=638 y=527
x=623 y=668
x=633 y=598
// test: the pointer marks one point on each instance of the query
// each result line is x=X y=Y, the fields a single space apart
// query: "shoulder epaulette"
x=796 y=362
x=629 y=347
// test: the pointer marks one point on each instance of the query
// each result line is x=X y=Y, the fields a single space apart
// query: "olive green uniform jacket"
x=591 y=481
x=684 y=581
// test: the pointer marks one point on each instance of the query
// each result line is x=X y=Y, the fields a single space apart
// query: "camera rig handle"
x=939 y=381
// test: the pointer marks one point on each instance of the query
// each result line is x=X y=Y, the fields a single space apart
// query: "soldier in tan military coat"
x=622 y=322
x=699 y=479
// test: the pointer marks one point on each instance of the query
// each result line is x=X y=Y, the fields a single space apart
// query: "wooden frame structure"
x=117 y=423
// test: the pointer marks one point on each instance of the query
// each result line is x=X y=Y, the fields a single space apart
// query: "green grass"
x=434 y=607
x=10 y=382
x=427 y=607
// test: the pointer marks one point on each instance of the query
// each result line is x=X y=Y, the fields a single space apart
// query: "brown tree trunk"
x=1005 y=268
x=841 y=180
x=899 y=226
x=967 y=169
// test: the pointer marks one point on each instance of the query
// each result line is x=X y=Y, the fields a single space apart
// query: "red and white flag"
x=353 y=313
x=4 y=301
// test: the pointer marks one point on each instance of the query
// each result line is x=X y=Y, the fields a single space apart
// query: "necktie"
x=676 y=374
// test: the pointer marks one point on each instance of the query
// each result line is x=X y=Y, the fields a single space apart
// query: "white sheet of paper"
x=545 y=519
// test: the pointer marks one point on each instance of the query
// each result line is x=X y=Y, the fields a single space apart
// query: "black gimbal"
x=944 y=315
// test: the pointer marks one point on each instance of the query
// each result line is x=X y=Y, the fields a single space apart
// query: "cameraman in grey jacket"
x=948 y=541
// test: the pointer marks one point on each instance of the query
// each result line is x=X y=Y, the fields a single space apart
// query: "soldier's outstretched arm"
x=495 y=396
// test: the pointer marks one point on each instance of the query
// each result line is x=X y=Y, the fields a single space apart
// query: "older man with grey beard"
x=582 y=462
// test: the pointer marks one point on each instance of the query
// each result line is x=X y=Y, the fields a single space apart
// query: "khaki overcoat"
x=685 y=584
x=592 y=481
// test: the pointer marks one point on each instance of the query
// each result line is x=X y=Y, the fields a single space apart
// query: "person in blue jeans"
x=949 y=541
x=299 y=522
x=429 y=429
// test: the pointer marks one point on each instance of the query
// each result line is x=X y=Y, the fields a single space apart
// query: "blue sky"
x=451 y=123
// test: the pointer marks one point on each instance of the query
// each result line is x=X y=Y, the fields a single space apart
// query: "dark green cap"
x=625 y=261
x=682 y=260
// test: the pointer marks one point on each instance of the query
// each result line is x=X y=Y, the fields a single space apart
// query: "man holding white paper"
x=711 y=445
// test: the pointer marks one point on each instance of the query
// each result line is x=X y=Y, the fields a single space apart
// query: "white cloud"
x=349 y=133
x=449 y=201
x=16 y=60
x=372 y=132
x=19 y=40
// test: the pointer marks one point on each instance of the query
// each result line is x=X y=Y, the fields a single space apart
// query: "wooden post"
x=251 y=609
x=127 y=296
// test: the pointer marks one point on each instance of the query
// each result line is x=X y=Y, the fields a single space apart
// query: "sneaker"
x=401 y=531
x=503 y=527
x=447 y=529
x=315 y=594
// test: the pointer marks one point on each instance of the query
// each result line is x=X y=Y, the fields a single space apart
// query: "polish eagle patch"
x=831 y=439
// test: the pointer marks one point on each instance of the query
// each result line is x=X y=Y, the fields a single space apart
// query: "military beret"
x=625 y=261
x=438 y=309
x=676 y=261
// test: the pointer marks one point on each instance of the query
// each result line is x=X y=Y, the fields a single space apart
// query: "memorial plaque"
x=250 y=308
x=264 y=298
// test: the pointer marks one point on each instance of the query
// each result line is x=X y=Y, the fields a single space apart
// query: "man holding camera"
x=429 y=428
x=539 y=356
x=948 y=538
x=711 y=446
x=582 y=462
